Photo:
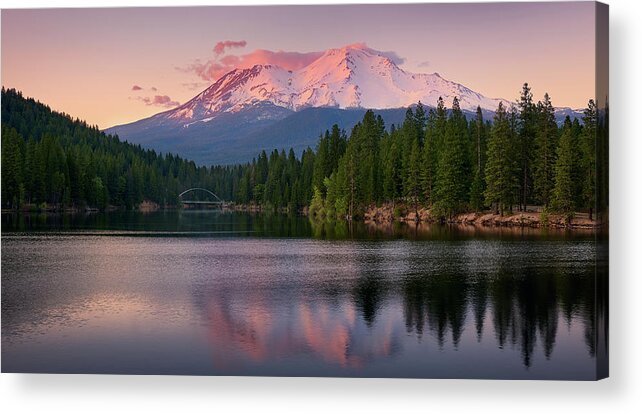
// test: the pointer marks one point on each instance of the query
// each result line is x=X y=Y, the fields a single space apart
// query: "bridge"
x=217 y=202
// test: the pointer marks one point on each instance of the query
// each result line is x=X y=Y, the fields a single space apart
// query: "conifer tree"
x=12 y=184
x=527 y=132
x=307 y=169
x=453 y=172
x=441 y=119
x=588 y=157
x=337 y=147
x=330 y=201
x=409 y=134
x=545 y=149
x=322 y=164
x=563 y=199
x=577 y=173
x=502 y=165
x=316 y=204
x=413 y=181
x=479 y=160
x=420 y=120
x=391 y=169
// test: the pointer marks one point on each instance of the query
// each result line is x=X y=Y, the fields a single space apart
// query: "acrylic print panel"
x=262 y=191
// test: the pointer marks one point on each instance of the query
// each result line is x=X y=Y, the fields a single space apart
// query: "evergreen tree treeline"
x=435 y=158
x=442 y=160
x=48 y=157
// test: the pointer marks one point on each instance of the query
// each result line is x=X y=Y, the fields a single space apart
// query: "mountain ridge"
x=354 y=76
x=234 y=109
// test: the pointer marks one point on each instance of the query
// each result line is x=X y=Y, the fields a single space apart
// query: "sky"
x=112 y=66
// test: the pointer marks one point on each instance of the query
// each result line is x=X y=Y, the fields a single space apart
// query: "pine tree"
x=12 y=184
x=588 y=159
x=430 y=157
x=527 y=132
x=391 y=162
x=413 y=181
x=307 y=169
x=453 y=173
x=360 y=171
x=322 y=166
x=502 y=165
x=345 y=183
x=337 y=147
x=563 y=199
x=545 y=149
x=30 y=172
x=330 y=201
x=441 y=119
x=479 y=160
x=316 y=205
x=420 y=120
x=409 y=134
x=577 y=173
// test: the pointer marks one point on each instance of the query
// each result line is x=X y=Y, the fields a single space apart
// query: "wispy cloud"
x=220 y=47
x=159 y=100
x=151 y=99
x=223 y=62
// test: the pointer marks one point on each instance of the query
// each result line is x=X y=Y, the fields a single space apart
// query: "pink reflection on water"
x=249 y=330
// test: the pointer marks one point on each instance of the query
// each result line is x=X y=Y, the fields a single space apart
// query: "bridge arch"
x=189 y=190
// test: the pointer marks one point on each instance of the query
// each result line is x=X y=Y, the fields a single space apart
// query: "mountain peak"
x=353 y=76
x=347 y=49
x=350 y=53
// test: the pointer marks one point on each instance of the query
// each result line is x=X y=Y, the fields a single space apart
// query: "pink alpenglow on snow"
x=107 y=50
x=354 y=76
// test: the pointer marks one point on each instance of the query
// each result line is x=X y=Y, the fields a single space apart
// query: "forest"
x=50 y=159
x=435 y=158
x=438 y=158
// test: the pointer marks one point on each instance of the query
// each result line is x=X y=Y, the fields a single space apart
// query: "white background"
x=622 y=392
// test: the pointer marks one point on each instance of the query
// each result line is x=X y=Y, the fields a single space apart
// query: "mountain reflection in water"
x=281 y=297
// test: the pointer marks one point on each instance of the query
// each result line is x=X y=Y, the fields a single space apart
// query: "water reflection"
x=394 y=292
x=437 y=303
x=212 y=223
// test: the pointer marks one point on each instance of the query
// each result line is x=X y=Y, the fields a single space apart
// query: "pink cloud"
x=230 y=60
x=286 y=60
x=213 y=69
x=159 y=100
x=136 y=88
x=220 y=47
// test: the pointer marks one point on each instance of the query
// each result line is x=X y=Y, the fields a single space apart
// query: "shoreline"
x=532 y=219
x=377 y=216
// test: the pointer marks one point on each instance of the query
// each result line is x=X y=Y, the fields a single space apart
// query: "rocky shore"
x=388 y=214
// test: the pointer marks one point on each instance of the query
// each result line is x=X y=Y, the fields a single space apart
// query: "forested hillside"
x=435 y=158
x=440 y=160
x=48 y=157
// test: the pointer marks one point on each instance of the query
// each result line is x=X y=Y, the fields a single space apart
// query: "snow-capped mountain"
x=267 y=106
x=351 y=77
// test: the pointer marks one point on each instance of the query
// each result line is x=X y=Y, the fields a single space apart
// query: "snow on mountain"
x=266 y=107
x=354 y=76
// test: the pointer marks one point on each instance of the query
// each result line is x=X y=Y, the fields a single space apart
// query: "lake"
x=216 y=293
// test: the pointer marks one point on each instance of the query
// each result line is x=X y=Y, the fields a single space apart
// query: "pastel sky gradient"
x=113 y=66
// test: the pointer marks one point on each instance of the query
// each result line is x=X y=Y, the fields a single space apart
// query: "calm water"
x=235 y=294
